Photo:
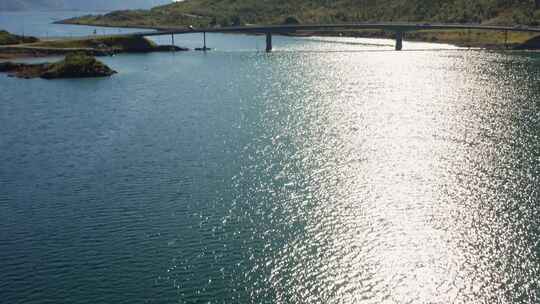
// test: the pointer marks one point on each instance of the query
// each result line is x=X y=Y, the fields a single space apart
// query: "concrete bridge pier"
x=204 y=41
x=399 y=41
x=204 y=48
x=268 y=42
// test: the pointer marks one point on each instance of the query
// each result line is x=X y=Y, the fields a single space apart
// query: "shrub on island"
x=77 y=65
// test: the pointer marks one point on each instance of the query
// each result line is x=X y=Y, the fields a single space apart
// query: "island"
x=13 y=46
x=75 y=65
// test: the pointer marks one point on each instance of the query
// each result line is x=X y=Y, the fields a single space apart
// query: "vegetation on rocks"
x=77 y=66
x=7 y=38
x=111 y=43
x=93 y=46
x=73 y=66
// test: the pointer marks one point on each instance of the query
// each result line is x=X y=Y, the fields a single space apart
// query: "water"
x=40 y=24
x=325 y=172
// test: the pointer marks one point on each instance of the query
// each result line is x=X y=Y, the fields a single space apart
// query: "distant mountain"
x=16 y=5
x=87 y=5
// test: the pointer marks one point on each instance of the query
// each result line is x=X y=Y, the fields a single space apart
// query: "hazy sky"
x=78 y=4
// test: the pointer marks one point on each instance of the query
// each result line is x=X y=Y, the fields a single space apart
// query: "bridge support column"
x=399 y=41
x=268 y=42
x=204 y=41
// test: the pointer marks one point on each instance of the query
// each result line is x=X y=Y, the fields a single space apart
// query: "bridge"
x=398 y=28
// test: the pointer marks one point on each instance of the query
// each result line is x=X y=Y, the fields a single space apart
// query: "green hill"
x=234 y=12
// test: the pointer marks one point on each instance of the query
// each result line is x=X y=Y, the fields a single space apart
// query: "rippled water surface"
x=330 y=171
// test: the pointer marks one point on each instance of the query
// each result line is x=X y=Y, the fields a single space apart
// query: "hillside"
x=232 y=12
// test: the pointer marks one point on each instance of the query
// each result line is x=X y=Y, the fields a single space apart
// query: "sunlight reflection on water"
x=395 y=177
x=314 y=174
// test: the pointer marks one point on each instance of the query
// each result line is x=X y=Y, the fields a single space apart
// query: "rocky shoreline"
x=76 y=65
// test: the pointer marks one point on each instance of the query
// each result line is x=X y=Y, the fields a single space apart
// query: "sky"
x=78 y=4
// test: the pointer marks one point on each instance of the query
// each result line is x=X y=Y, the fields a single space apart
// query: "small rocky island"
x=76 y=65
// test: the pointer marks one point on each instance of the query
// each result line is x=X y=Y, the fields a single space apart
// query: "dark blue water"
x=326 y=172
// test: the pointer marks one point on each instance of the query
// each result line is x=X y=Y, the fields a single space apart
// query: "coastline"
x=111 y=45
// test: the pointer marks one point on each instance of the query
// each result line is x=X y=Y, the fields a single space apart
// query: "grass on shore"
x=118 y=43
x=472 y=38
x=463 y=38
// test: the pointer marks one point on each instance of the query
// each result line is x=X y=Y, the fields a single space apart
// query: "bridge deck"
x=279 y=29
